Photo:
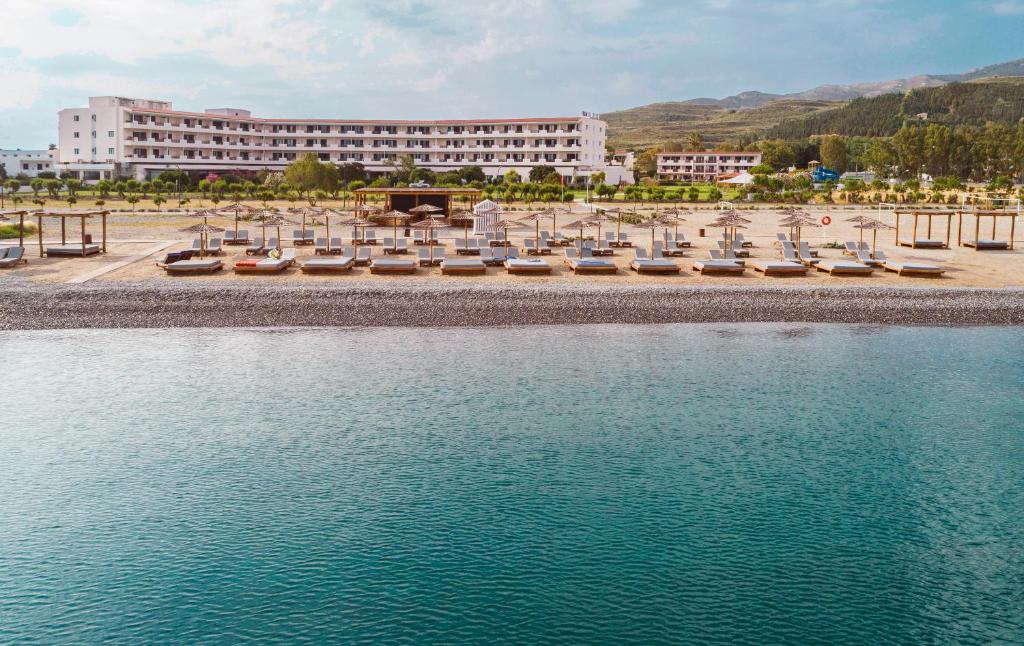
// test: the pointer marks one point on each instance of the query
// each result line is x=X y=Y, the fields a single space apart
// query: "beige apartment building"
x=704 y=166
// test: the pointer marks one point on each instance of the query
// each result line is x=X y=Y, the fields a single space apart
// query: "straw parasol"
x=504 y=225
x=654 y=224
x=535 y=218
x=675 y=215
x=236 y=208
x=581 y=224
x=395 y=216
x=461 y=214
x=429 y=224
x=204 y=230
x=730 y=221
x=874 y=226
x=425 y=209
x=618 y=220
x=278 y=220
x=861 y=219
x=311 y=211
x=598 y=219
x=796 y=219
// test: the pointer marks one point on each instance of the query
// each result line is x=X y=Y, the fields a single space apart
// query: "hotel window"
x=110 y=151
x=75 y=118
x=76 y=151
x=76 y=135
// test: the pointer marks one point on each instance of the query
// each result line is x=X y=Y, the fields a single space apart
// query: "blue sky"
x=466 y=58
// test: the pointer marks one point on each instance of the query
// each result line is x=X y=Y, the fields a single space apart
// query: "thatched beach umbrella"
x=535 y=218
x=428 y=225
x=654 y=224
x=461 y=214
x=796 y=220
x=675 y=216
x=236 y=209
x=204 y=230
x=617 y=212
x=598 y=219
x=395 y=216
x=874 y=226
x=581 y=224
x=861 y=219
x=730 y=221
x=504 y=225
x=277 y=221
x=310 y=211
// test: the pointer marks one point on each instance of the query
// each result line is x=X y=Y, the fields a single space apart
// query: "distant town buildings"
x=704 y=166
x=118 y=137
x=26 y=162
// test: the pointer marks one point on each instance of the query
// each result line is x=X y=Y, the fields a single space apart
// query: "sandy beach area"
x=126 y=288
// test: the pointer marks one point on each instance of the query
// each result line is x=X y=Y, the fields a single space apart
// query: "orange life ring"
x=826 y=220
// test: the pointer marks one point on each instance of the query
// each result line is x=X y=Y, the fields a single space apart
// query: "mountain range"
x=752 y=113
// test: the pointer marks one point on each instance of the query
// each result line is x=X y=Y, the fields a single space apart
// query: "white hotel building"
x=120 y=137
x=26 y=162
x=704 y=166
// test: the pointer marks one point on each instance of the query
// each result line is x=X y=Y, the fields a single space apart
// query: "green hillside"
x=975 y=103
x=659 y=123
x=996 y=100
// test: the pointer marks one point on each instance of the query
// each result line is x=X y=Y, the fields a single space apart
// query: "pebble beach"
x=152 y=304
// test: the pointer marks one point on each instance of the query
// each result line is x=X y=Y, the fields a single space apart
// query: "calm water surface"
x=690 y=484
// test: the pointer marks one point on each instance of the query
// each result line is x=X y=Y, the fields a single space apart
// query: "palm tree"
x=695 y=141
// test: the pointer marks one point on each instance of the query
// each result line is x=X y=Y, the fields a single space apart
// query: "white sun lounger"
x=843 y=268
x=393 y=266
x=913 y=269
x=527 y=266
x=463 y=267
x=718 y=267
x=779 y=267
x=328 y=265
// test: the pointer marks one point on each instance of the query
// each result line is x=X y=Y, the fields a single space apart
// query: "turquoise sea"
x=733 y=484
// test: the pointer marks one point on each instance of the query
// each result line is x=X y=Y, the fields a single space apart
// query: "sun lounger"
x=393 y=266
x=668 y=249
x=533 y=249
x=362 y=255
x=853 y=246
x=399 y=246
x=463 y=267
x=789 y=255
x=460 y=247
x=418 y=237
x=272 y=244
x=780 y=238
x=197 y=266
x=73 y=250
x=624 y=240
x=288 y=255
x=229 y=238
x=582 y=265
x=728 y=256
x=334 y=248
x=779 y=267
x=499 y=254
x=512 y=252
x=718 y=267
x=743 y=242
x=298 y=237
x=676 y=242
x=602 y=248
x=527 y=266
x=425 y=260
x=239 y=238
x=11 y=256
x=864 y=257
x=255 y=248
x=328 y=265
x=320 y=248
x=913 y=269
x=197 y=246
x=546 y=240
x=216 y=247
x=991 y=245
x=561 y=240
x=923 y=243
x=369 y=237
x=261 y=265
x=737 y=250
x=641 y=264
x=806 y=251
x=843 y=268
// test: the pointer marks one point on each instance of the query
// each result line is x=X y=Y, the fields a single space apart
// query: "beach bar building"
x=406 y=199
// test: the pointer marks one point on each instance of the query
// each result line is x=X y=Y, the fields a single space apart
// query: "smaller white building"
x=26 y=162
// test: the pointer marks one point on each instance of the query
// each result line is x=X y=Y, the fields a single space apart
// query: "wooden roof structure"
x=917 y=215
x=978 y=215
x=5 y=216
x=82 y=216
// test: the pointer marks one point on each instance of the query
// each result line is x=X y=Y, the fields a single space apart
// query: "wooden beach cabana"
x=406 y=199
x=84 y=247
x=992 y=243
x=927 y=242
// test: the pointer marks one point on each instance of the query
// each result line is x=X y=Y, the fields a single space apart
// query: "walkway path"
x=113 y=266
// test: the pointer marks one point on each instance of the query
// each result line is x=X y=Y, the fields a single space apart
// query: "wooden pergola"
x=21 y=223
x=405 y=199
x=977 y=242
x=929 y=215
x=82 y=216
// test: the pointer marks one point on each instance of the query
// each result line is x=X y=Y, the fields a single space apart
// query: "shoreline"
x=151 y=304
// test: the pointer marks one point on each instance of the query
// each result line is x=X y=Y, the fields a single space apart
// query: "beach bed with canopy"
x=82 y=248
x=927 y=242
x=977 y=242
x=527 y=266
x=5 y=216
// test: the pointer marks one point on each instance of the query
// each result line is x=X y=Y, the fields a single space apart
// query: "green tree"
x=833 y=152
x=538 y=173
x=695 y=141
